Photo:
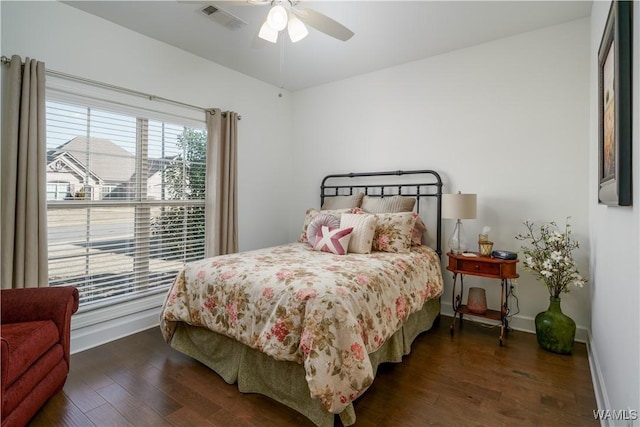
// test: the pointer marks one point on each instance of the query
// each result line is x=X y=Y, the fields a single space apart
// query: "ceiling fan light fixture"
x=267 y=33
x=277 y=18
x=297 y=30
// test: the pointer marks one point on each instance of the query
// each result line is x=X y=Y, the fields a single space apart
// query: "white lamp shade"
x=459 y=206
x=297 y=30
x=267 y=33
x=277 y=18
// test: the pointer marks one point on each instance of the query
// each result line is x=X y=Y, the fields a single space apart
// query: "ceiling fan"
x=285 y=14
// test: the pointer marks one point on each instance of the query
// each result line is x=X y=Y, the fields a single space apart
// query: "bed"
x=308 y=323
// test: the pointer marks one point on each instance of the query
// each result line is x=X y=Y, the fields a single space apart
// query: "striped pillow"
x=378 y=205
x=364 y=227
x=342 y=202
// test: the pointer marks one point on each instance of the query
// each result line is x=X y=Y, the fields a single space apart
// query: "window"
x=57 y=190
x=125 y=198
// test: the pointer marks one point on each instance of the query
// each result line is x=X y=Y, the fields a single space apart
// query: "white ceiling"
x=387 y=33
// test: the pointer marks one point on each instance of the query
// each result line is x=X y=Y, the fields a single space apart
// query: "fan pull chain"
x=281 y=66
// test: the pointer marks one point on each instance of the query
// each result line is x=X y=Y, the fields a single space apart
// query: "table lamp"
x=458 y=206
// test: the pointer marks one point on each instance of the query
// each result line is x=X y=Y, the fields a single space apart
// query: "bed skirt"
x=284 y=381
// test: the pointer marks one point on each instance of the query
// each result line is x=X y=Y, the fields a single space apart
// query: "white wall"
x=508 y=120
x=615 y=253
x=74 y=42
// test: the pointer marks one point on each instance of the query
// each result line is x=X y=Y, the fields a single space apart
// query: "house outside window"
x=126 y=199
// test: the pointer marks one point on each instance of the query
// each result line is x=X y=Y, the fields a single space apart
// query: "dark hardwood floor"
x=465 y=380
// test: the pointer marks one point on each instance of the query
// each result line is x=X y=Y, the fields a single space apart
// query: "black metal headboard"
x=422 y=184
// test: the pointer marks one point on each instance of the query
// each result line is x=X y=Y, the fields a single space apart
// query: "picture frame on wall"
x=614 y=107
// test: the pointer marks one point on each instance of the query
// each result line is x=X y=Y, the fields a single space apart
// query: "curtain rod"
x=150 y=97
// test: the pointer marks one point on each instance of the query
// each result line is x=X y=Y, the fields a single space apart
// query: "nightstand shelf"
x=490 y=314
x=481 y=266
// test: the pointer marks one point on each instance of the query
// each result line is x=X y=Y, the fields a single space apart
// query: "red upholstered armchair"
x=35 y=331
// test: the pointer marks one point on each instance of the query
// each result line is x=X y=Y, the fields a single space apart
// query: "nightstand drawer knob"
x=477 y=267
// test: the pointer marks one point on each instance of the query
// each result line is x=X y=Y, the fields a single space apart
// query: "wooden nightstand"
x=493 y=268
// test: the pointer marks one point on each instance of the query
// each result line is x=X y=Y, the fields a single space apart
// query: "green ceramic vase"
x=555 y=330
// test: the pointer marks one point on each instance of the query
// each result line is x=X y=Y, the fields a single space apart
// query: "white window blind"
x=125 y=198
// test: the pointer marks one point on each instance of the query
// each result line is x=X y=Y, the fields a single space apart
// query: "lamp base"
x=457 y=242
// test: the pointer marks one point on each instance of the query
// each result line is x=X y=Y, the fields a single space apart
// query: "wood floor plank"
x=182 y=393
x=107 y=415
x=131 y=407
x=61 y=411
x=464 y=380
x=83 y=395
x=147 y=393
x=185 y=417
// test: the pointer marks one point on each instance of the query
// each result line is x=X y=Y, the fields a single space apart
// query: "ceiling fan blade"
x=323 y=23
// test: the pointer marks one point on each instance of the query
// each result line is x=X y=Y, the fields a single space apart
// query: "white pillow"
x=364 y=228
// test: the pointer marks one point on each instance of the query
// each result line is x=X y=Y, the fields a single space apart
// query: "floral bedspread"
x=324 y=311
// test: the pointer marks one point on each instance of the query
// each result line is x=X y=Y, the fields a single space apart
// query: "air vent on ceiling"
x=223 y=17
x=209 y=10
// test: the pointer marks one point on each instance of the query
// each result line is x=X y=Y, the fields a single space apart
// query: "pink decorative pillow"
x=317 y=222
x=394 y=232
x=335 y=240
x=418 y=231
x=311 y=213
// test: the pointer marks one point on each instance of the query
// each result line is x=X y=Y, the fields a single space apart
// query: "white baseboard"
x=600 y=391
x=96 y=327
x=518 y=323
x=602 y=400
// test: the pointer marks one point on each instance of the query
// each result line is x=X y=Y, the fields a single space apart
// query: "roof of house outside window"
x=108 y=161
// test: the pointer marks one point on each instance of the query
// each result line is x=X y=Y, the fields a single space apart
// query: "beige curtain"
x=221 y=211
x=23 y=257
